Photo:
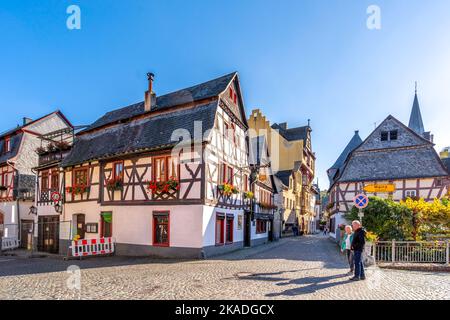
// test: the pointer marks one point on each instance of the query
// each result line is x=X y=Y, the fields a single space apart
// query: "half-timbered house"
x=164 y=177
x=50 y=188
x=399 y=158
x=18 y=157
x=263 y=208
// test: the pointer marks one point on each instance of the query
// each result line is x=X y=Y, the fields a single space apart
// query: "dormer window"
x=7 y=145
x=389 y=135
x=393 y=135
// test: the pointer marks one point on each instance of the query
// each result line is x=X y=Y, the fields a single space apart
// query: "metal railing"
x=412 y=252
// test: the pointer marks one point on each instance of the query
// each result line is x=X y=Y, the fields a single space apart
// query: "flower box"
x=163 y=186
x=78 y=189
x=114 y=184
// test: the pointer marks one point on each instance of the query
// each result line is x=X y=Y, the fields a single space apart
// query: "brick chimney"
x=27 y=121
x=283 y=125
x=150 y=96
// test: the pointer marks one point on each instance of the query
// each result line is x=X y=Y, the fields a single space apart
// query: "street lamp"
x=33 y=210
x=58 y=208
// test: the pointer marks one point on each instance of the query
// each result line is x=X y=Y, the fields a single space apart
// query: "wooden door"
x=247 y=229
x=48 y=234
x=26 y=234
x=80 y=225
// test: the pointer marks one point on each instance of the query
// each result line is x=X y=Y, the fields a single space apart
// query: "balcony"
x=52 y=157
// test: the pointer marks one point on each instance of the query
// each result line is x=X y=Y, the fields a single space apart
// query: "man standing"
x=358 y=243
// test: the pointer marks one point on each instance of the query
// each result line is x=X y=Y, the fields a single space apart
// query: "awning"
x=107 y=216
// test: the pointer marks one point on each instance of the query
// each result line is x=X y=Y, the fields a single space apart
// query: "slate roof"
x=407 y=163
x=141 y=135
x=354 y=143
x=415 y=121
x=284 y=176
x=16 y=140
x=14 y=130
x=198 y=92
x=410 y=156
x=293 y=134
x=446 y=162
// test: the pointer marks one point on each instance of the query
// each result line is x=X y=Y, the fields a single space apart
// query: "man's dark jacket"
x=359 y=240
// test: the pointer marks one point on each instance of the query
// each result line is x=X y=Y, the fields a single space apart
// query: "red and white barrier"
x=92 y=247
x=10 y=243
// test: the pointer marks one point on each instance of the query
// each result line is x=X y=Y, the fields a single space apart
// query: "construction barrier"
x=92 y=247
x=10 y=243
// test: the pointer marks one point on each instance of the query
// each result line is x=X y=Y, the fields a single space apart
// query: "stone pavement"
x=292 y=268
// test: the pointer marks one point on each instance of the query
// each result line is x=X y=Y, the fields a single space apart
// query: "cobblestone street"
x=303 y=268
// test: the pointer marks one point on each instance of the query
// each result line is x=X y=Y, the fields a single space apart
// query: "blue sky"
x=298 y=60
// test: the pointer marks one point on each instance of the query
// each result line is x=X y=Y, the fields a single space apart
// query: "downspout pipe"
x=19 y=226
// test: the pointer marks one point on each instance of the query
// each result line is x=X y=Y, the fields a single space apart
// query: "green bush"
x=386 y=218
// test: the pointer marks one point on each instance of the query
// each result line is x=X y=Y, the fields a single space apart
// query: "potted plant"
x=248 y=195
x=51 y=147
x=228 y=189
x=41 y=150
x=62 y=145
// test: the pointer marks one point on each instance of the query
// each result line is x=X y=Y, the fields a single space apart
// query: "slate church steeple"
x=415 y=120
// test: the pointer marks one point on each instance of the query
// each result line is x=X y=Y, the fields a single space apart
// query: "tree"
x=386 y=218
x=429 y=218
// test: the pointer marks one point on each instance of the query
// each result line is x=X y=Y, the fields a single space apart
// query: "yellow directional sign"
x=379 y=188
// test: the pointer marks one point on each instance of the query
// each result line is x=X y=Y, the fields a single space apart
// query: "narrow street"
x=302 y=268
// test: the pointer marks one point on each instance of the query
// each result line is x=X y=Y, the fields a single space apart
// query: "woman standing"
x=346 y=246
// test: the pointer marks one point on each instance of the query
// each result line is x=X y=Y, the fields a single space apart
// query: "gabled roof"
x=405 y=163
x=16 y=136
x=409 y=157
x=415 y=121
x=406 y=136
x=142 y=135
x=354 y=143
x=19 y=128
x=293 y=134
x=198 y=92
x=284 y=176
x=15 y=142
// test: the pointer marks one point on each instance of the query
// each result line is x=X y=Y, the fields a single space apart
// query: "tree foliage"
x=411 y=219
x=385 y=218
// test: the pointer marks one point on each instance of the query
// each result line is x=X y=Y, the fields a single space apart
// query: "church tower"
x=415 y=120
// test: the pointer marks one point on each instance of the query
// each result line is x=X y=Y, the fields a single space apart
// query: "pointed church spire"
x=415 y=121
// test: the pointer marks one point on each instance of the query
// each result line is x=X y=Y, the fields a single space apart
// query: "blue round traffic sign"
x=361 y=201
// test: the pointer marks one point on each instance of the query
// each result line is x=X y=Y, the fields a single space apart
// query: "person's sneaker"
x=362 y=278
x=354 y=279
